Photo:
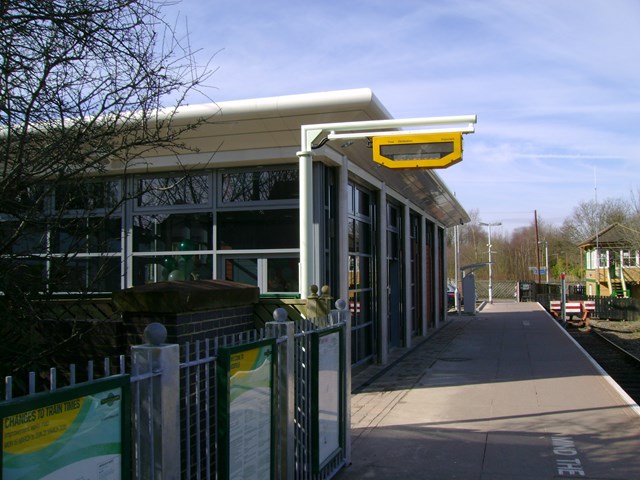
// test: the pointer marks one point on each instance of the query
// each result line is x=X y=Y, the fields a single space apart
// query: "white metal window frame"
x=630 y=258
x=214 y=205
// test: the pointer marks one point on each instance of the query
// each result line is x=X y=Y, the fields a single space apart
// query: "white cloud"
x=555 y=83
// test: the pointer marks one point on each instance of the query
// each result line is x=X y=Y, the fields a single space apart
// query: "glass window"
x=258 y=229
x=393 y=244
x=173 y=190
x=33 y=239
x=172 y=232
x=260 y=185
x=359 y=272
x=604 y=259
x=27 y=199
x=162 y=268
x=86 y=235
x=392 y=217
x=30 y=274
x=242 y=270
x=629 y=258
x=282 y=274
x=88 y=195
x=98 y=274
x=362 y=203
x=359 y=236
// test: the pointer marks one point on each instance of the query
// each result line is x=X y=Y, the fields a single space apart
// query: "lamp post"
x=546 y=258
x=489 y=225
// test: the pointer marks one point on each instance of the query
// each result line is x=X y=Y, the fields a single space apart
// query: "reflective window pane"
x=258 y=229
x=85 y=274
x=87 y=235
x=88 y=195
x=392 y=217
x=161 y=268
x=363 y=203
x=173 y=190
x=28 y=274
x=20 y=199
x=241 y=270
x=32 y=239
x=172 y=232
x=260 y=185
x=359 y=236
x=282 y=274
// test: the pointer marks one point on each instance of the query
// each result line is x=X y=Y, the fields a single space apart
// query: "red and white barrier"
x=573 y=308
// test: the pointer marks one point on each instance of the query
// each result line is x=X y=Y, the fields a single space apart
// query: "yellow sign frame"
x=427 y=150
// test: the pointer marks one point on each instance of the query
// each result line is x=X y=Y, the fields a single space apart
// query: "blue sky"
x=555 y=83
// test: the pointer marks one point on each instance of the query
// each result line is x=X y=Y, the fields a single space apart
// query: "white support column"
x=383 y=278
x=306 y=223
x=423 y=273
x=408 y=294
x=342 y=226
x=437 y=278
x=445 y=275
x=127 y=237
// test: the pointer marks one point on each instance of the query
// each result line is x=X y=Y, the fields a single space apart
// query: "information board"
x=328 y=364
x=426 y=150
x=77 y=432
x=245 y=410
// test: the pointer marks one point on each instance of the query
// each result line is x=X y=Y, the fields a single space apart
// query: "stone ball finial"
x=280 y=315
x=314 y=291
x=325 y=291
x=155 y=334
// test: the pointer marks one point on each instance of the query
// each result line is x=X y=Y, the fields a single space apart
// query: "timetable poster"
x=249 y=413
x=77 y=437
x=329 y=411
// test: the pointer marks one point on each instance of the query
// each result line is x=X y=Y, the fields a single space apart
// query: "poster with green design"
x=245 y=411
x=75 y=433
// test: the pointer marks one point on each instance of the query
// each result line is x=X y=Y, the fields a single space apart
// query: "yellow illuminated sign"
x=428 y=150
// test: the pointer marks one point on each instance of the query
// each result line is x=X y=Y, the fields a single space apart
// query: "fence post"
x=563 y=298
x=282 y=328
x=342 y=314
x=157 y=415
x=318 y=306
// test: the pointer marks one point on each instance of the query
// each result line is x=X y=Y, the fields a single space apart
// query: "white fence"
x=176 y=405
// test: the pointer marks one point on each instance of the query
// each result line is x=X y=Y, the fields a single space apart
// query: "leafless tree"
x=589 y=217
x=83 y=84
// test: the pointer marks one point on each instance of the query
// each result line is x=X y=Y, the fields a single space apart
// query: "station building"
x=231 y=210
x=611 y=263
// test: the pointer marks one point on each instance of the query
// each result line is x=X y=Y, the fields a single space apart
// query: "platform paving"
x=504 y=394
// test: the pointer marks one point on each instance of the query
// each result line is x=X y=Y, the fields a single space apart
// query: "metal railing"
x=173 y=400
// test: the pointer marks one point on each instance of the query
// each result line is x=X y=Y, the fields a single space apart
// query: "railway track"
x=622 y=366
